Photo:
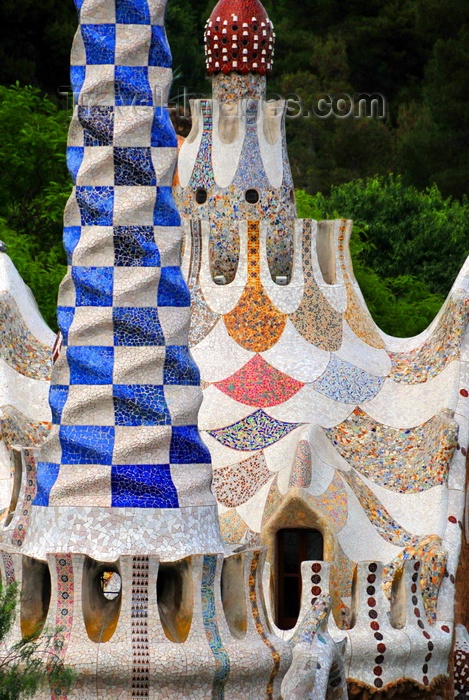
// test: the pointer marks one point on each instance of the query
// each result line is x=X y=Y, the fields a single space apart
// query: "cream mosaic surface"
x=305 y=400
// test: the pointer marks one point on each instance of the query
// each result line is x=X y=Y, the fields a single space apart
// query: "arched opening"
x=294 y=546
x=292 y=511
x=398 y=614
x=101 y=608
x=175 y=595
x=280 y=249
x=232 y=593
x=35 y=596
x=111 y=584
x=326 y=251
x=252 y=196
x=224 y=251
x=201 y=195
x=17 y=458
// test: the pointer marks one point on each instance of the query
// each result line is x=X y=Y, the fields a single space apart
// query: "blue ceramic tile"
x=75 y=156
x=160 y=53
x=140 y=405
x=93 y=285
x=163 y=134
x=100 y=43
x=77 y=78
x=58 y=396
x=187 y=446
x=86 y=444
x=65 y=316
x=344 y=382
x=134 y=246
x=143 y=486
x=96 y=205
x=179 y=367
x=132 y=86
x=137 y=327
x=98 y=125
x=166 y=213
x=70 y=240
x=133 y=166
x=47 y=474
x=132 y=12
x=172 y=289
x=90 y=365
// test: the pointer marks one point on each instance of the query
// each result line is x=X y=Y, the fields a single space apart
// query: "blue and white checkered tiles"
x=125 y=391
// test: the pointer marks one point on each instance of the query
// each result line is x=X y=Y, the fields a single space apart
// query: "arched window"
x=294 y=547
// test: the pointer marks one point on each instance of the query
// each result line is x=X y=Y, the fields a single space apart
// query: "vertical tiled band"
x=140 y=633
x=260 y=627
x=64 y=611
x=211 y=627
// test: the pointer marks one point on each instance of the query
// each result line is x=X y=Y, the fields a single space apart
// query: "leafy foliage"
x=35 y=41
x=41 y=269
x=34 y=187
x=32 y=663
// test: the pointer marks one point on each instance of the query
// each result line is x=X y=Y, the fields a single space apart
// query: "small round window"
x=201 y=196
x=252 y=196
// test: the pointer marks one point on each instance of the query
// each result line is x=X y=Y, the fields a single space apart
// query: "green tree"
x=34 y=187
x=35 y=41
x=31 y=664
x=434 y=132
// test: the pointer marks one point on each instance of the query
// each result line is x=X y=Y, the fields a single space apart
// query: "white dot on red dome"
x=247 y=16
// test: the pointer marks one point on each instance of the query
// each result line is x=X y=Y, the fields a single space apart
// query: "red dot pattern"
x=421 y=624
x=316 y=589
x=375 y=626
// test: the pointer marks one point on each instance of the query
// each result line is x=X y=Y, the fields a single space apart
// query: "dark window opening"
x=201 y=196
x=252 y=196
x=293 y=548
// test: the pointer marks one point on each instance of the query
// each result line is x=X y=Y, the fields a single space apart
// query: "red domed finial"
x=239 y=37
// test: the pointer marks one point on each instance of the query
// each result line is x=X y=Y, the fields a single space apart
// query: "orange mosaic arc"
x=255 y=324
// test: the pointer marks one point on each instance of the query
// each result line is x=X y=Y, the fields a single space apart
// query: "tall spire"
x=125 y=470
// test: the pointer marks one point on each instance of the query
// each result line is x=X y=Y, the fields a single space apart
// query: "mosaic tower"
x=234 y=163
x=124 y=470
